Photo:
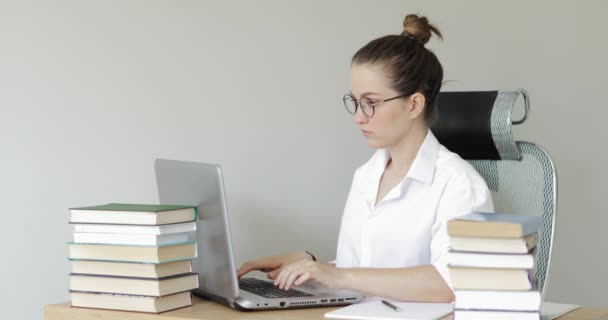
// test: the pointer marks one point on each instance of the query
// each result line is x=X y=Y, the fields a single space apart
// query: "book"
x=142 y=214
x=489 y=260
x=136 y=229
x=375 y=310
x=494 y=225
x=495 y=315
x=550 y=310
x=498 y=300
x=490 y=279
x=131 y=239
x=132 y=253
x=129 y=269
x=494 y=245
x=132 y=285
x=130 y=302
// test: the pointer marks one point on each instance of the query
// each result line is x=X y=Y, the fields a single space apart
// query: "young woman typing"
x=393 y=240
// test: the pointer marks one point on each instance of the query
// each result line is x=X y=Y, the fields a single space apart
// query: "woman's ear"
x=416 y=108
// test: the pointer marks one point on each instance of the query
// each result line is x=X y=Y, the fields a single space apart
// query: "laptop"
x=202 y=185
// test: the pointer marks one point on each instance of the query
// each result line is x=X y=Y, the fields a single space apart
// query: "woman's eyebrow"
x=368 y=93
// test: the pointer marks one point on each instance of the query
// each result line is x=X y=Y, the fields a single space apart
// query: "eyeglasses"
x=368 y=106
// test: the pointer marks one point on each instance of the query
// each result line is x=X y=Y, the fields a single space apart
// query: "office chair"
x=520 y=175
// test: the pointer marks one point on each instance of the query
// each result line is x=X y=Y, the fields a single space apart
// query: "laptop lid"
x=202 y=185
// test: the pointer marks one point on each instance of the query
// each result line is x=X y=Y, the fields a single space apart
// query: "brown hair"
x=410 y=66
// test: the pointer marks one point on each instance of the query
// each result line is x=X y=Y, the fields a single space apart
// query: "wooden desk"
x=207 y=310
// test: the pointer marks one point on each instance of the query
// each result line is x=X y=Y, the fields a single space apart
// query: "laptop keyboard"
x=267 y=289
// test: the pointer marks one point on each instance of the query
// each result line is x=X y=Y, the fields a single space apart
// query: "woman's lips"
x=366 y=133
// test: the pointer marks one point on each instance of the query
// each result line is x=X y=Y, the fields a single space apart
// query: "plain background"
x=91 y=92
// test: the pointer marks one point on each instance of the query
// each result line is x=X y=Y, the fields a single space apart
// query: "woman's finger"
x=300 y=268
x=292 y=277
x=302 y=278
x=282 y=274
x=274 y=273
x=246 y=267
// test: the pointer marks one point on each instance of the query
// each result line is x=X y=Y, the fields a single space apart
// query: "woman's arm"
x=420 y=283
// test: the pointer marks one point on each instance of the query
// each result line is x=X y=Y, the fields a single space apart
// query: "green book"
x=133 y=214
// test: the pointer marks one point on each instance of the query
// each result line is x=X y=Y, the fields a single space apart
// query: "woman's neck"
x=404 y=152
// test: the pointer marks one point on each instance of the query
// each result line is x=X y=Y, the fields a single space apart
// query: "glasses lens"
x=349 y=103
x=367 y=106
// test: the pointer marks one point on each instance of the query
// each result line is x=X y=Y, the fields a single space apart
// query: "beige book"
x=490 y=279
x=129 y=302
x=494 y=225
x=128 y=269
x=135 y=286
x=132 y=253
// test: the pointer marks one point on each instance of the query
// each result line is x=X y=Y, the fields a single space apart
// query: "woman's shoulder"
x=462 y=179
x=452 y=167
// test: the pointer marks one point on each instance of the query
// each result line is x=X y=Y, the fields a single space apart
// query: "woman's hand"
x=301 y=271
x=273 y=264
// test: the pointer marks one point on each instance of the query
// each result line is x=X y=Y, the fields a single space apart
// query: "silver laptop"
x=202 y=185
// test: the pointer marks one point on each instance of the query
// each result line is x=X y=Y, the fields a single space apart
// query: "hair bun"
x=419 y=28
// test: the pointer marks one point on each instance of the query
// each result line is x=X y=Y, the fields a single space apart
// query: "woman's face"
x=392 y=120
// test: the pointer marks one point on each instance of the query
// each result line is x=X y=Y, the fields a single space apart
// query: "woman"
x=393 y=239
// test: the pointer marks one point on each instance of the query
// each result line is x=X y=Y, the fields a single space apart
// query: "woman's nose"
x=360 y=117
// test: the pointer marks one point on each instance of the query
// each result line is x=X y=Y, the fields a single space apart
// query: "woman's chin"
x=374 y=143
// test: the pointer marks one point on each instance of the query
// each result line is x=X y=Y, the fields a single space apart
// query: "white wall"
x=91 y=92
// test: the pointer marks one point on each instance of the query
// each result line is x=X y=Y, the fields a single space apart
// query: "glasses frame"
x=371 y=103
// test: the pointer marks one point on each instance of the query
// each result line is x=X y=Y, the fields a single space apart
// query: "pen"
x=390 y=305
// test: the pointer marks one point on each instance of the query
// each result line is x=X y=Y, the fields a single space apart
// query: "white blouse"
x=408 y=227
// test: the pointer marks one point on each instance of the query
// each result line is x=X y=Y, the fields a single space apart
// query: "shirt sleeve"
x=462 y=195
x=344 y=251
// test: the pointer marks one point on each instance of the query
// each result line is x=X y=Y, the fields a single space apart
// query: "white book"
x=488 y=260
x=130 y=269
x=498 y=300
x=495 y=315
x=132 y=239
x=135 y=229
x=494 y=245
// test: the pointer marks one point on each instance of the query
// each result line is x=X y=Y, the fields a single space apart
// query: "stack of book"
x=133 y=257
x=491 y=264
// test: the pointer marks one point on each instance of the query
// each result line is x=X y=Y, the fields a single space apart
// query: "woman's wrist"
x=301 y=255
x=344 y=276
x=311 y=256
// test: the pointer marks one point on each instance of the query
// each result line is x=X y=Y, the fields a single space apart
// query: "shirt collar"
x=422 y=169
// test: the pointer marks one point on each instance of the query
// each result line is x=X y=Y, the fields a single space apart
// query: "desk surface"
x=207 y=310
